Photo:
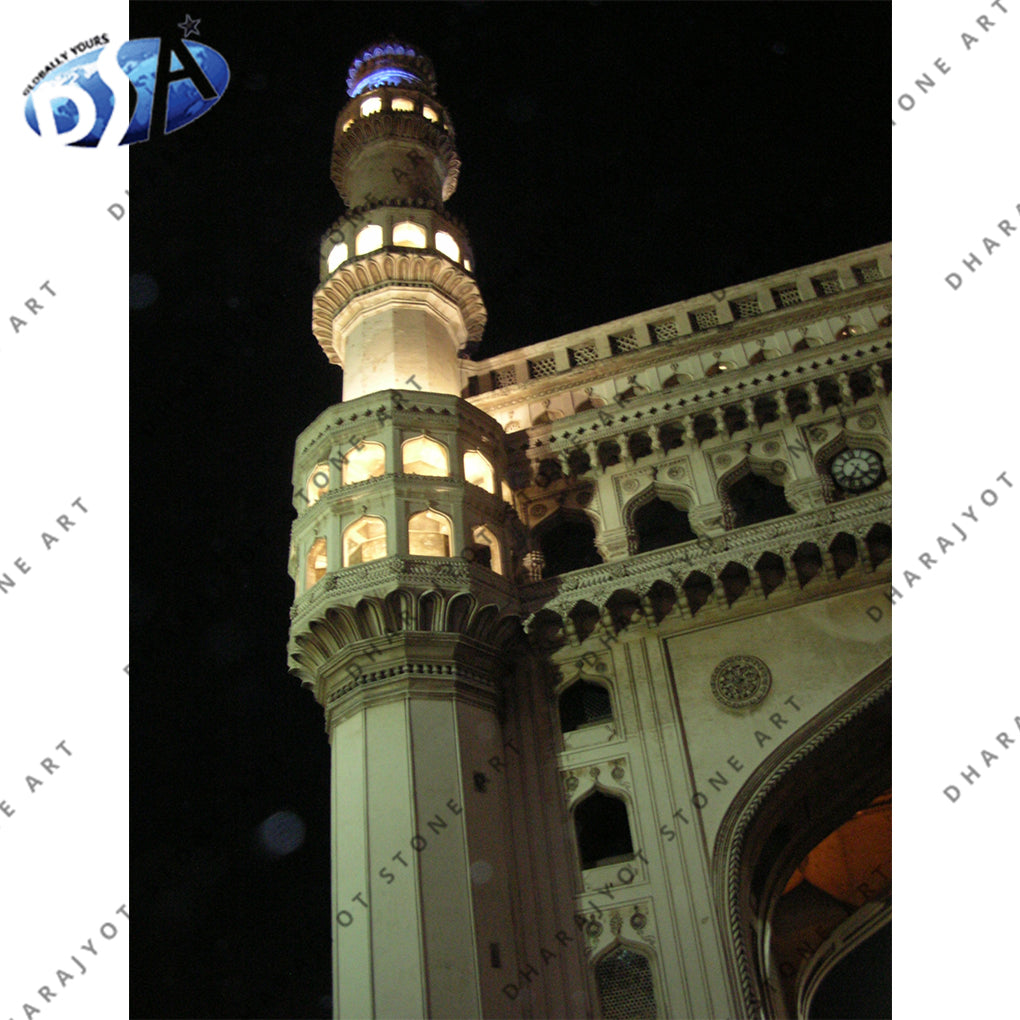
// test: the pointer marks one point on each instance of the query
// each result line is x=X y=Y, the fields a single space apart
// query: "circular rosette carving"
x=741 y=681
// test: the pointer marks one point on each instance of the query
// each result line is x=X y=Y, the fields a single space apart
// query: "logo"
x=120 y=93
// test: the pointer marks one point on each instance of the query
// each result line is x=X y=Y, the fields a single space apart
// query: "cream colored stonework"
x=457 y=886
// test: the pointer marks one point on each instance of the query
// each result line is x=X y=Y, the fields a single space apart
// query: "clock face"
x=856 y=470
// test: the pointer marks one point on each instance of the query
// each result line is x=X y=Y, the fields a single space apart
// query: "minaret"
x=402 y=566
x=398 y=302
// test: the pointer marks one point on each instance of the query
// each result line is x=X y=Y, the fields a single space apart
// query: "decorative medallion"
x=594 y=771
x=538 y=510
x=615 y=923
x=630 y=485
x=741 y=681
x=723 y=460
x=675 y=472
x=867 y=421
x=771 y=447
x=818 y=433
x=593 y=929
x=570 y=782
x=638 y=920
x=617 y=772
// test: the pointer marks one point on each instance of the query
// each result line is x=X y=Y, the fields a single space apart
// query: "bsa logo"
x=119 y=93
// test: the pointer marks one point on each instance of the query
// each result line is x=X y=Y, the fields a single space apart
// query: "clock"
x=856 y=469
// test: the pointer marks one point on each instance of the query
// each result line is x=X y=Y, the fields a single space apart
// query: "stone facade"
x=599 y=625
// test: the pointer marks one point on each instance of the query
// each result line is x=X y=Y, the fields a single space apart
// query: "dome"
x=391 y=63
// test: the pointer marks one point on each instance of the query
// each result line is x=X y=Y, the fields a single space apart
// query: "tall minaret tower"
x=402 y=561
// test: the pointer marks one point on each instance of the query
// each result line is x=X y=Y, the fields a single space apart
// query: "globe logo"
x=124 y=92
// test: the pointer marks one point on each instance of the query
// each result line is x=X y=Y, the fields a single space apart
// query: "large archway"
x=783 y=932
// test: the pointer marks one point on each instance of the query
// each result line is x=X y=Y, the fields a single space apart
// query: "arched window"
x=584 y=704
x=337 y=256
x=755 y=499
x=626 y=990
x=403 y=105
x=315 y=563
x=409 y=235
x=370 y=106
x=429 y=114
x=369 y=239
x=428 y=534
x=367 y=460
x=318 y=483
x=659 y=524
x=424 y=456
x=487 y=549
x=567 y=543
x=447 y=245
x=364 y=540
x=603 y=831
x=478 y=471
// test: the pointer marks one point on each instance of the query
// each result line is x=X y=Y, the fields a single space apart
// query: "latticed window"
x=584 y=704
x=704 y=318
x=867 y=272
x=504 y=377
x=826 y=284
x=745 y=307
x=583 y=355
x=540 y=368
x=624 y=981
x=621 y=343
x=666 y=329
x=786 y=295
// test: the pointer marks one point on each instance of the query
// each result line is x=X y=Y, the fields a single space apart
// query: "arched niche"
x=429 y=533
x=316 y=563
x=425 y=456
x=318 y=483
x=602 y=827
x=478 y=471
x=364 y=540
x=367 y=460
x=566 y=539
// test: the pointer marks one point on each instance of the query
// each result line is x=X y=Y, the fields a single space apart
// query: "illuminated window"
x=447 y=245
x=364 y=540
x=368 y=460
x=508 y=496
x=487 y=549
x=370 y=106
x=429 y=114
x=315 y=564
x=368 y=239
x=403 y=105
x=428 y=534
x=478 y=471
x=409 y=235
x=348 y=124
x=337 y=256
x=424 y=456
x=467 y=265
x=318 y=483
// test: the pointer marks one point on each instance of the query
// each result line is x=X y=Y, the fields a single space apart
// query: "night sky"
x=615 y=158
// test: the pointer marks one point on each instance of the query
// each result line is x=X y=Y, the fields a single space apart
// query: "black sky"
x=615 y=158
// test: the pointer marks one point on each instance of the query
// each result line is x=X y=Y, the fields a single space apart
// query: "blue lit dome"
x=391 y=63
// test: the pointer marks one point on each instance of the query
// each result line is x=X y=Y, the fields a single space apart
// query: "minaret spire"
x=398 y=304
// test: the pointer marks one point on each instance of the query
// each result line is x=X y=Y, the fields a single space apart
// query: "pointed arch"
x=813 y=782
x=567 y=539
x=602 y=827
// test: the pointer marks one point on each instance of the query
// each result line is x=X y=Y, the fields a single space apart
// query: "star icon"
x=190 y=26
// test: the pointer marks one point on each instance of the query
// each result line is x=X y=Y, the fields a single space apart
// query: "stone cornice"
x=702 y=395
x=719 y=338
x=395 y=267
x=393 y=126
